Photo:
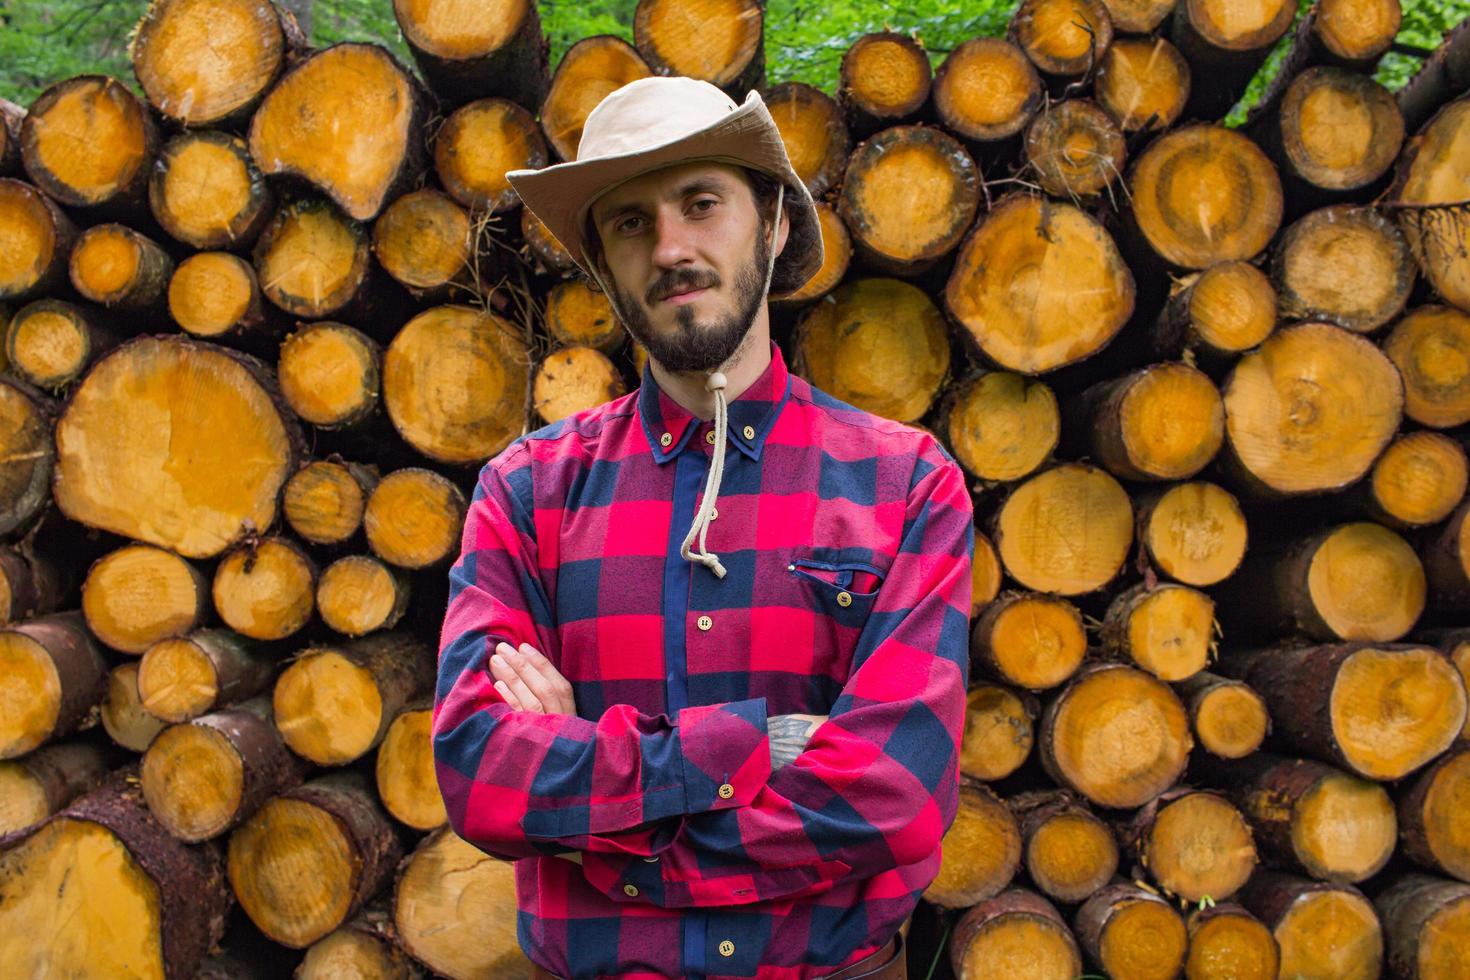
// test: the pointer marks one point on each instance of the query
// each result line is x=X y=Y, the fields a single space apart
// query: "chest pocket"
x=843 y=590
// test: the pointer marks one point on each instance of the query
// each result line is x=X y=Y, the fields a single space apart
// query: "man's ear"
x=783 y=231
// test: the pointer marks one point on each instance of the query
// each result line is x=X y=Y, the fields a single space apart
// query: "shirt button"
x=844 y=599
x=727 y=948
x=714 y=513
x=665 y=439
x=630 y=890
x=749 y=431
x=652 y=859
x=709 y=437
x=704 y=623
x=726 y=791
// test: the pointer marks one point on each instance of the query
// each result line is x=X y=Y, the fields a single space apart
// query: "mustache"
x=681 y=281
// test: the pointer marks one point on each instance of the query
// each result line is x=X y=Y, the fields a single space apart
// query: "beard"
x=698 y=345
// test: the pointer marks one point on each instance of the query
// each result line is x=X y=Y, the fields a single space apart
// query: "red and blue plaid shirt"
x=847 y=539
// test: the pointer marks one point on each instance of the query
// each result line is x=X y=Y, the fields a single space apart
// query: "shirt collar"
x=754 y=412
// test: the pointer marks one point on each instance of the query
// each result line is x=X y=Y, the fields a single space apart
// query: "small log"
x=999 y=731
x=1070 y=854
x=1419 y=480
x=1194 y=533
x=884 y=80
x=166 y=902
x=908 y=196
x=1015 y=927
x=1030 y=640
x=573 y=379
x=1380 y=711
x=215 y=296
x=1063 y=38
x=985 y=576
x=470 y=52
x=52 y=678
x=1323 y=930
x=1116 y=735
x=265 y=590
x=184 y=677
x=878 y=344
x=122 y=712
x=207 y=192
x=470 y=351
x=546 y=251
x=836 y=257
x=478 y=144
x=424 y=239
x=591 y=70
x=313 y=261
x=414 y=518
x=349 y=121
x=1426 y=922
x=1001 y=426
x=721 y=43
x=210 y=62
x=404 y=770
x=365 y=946
x=1352 y=33
x=1075 y=149
x=38 y=242
x=27 y=454
x=1346 y=265
x=1162 y=422
x=325 y=500
x=1167 y=629
x=331 y=375
x=986 y=92
x=1143 y=83
x=1431 y=349
x=1194 y=844
x=980 y=853
x=1309 y=410
x=1433 y=819
x=89 y=143
x=1137 y=16
x=44 y=781
x=51 y=342
x=1066 y=530
x=1217 y=315
x=334 y=704
x=140 y=594
x=1128 y=931
x=210 y=774
x=32 y=584
x=1228 y=943
x=311 y=857
x=1429 y=198
x=1447 y=560
x=812 y=128
x=579 y=316
x=1228 y=718
x=359 y=594
x=1224 y=43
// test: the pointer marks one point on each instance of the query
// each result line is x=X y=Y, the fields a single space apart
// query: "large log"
x=470 y=51
x=1433 y=817
x=1000 y=426
x=1346 y=265
x=1066 y=530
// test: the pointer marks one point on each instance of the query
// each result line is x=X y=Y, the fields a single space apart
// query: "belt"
x=887 y=963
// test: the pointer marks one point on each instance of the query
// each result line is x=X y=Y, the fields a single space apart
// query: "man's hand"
x=788 y=735
x=529 y=682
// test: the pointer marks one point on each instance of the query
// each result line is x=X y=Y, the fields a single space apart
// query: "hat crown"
x=650 y=112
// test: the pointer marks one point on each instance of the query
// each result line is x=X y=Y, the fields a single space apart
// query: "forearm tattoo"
x=788 y=735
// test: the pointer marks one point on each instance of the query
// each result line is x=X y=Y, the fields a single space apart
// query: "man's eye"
x=629 y=224
x=705 y=204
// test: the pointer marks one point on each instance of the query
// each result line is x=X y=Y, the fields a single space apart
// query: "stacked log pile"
x=263 y=324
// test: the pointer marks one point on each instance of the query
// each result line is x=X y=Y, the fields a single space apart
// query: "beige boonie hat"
x=658 y=122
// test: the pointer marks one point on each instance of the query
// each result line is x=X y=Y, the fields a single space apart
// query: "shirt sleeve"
x=878 y=783
x=520 y=784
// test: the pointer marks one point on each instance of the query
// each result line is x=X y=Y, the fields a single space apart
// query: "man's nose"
x=673 y=242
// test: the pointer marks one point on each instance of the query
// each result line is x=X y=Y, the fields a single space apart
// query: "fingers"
x=530 y=682
x=509 y=680
x=557 y=690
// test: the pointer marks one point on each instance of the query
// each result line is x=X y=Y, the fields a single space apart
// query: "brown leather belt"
x=887 y=963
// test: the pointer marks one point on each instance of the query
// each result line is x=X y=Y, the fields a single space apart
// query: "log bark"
x=1432 y=816
x=27 y=454
x=1225 y=44
x=11 y=116
x=1447 y=560
x=31 y=584
x=1443 y=77
x=1430 y=198
x=54 y=676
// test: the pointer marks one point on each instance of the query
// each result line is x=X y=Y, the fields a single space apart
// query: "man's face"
x=687 y=253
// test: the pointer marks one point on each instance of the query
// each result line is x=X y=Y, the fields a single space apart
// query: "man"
x=705 y=655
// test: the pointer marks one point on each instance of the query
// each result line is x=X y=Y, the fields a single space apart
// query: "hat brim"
x=747 y=137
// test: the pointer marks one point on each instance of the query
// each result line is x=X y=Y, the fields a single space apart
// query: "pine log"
x=1194 y=533
x=1224 y=43
x=878 y=344
x=1346 y=265
x=999 y=731
x=1228 y=943
x=1216 y=315
x=985 y=575
x=118 y=267
x=414 y=518
x=1030 y=640
x=1001 y=426
x=455 y=911
x=1138 y=16
x=265 y=589
x=425 y=240
x=836 y=257
x=592 y=69
x=27 y=454
x=986 y=92
x=311 y=857
x=325 y=500
x=330 y=375
x=1066 y=530
x=11 y=116
x=1323 y=930
x=461 y=349
x=548 y=253
x=908 y=196
x=573 y=379
x=1431 y=349
x=1116 y=735
x=1167 y=629
x=1075 y=149
x=359 y=594
x=1447 y=560
x=1419 y=480
x=1162 y=422
x=1430 y=197
x=1309 y=410
x=1351 y=33
x=193 y=466
x=1128 y=931
x=716 y=41
x=1063 y=38
x=1455 y=644
x=210 y=774
x=31 y=584
x=164 y=906
x=1443 y=77
x=1016 y=929
x=314 y=261
x=471 y=51
x=44 y=781
x=334 y=704
x=1070 y=853
x=89 y=143
x=184 y=677
x=215 y=296
x=1426 y=922
x=1380 y=711
x=1434 y=820
x=52 y=678
x=38 y=239
x=478 y=144
x=1143 y=82
x=404 y=769
x=577 y=315
x=1228 y=718
x=207 y=192
x=884 y=80
x=209 y=62
x=122 y=712
x=140 y=594
x=51 y=342
x=349 y=121
x=813 y=131
x=980 y=853
x=365 y=946
x=1194 y=844
x=1039 y=285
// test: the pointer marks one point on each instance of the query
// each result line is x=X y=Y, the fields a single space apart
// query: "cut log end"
x=1420 y=478
x=455 y=911
x=115 y=266
x=1003 y=426
x=138 y=595
x=26 y=454
x=1137 y=16
x=1168 y=630
x=123 y=717
x=987 y=90
x=328 y=707
x=592 y=69
x=1070 y=853
x=717 y=41
x=213 y=294
x=1195 y=533
x=265 y=592
x=35 y=241
x=1339 y=130
x=1169 y=423
x=812 y=129
x=1431 y=349
x=312 y=259
x=202 y=61
x=1430 y=173
x=1075 y=149
x=87 y=142
x=1014 y=930
x=423 y=240
x=325 y=500
x=1228 y=943
x=1199 y=845
x=50 y=343
x=985 y=575
x=1066 y=530
x=1033 y=641
x=1143 y=83
x=1229 y=719
x=32 y=690
x=981 y=851
x=478 y=144
x=1231 y=308
x=405 y=772
x=1366 y=583
x=579 y=316
x=1343 y=828
x=359 y=594
x=836 y=256
x=1435 y=820
x=885 y=77
x=1131 y=932
x=330 y=374
x=573 y=379
x=1329 y=931
x=414 y=518
x=193 y=780
x=177 y=680
x=206 y=191
x=1357 y=32
x=1346 y=265
x=998 y=732
x=1393 y=711
x=1063 y=37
